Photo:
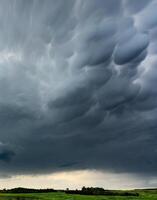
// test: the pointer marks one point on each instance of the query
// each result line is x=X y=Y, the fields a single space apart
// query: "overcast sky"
x=78 y=92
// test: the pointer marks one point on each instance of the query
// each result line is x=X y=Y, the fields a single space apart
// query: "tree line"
x=101 y=191
x=26 y=190
x=83 y=191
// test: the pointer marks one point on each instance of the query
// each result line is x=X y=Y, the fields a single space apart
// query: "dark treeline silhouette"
x=101 y=191
x=147 y=190
x=83 y=191
x=27 y=190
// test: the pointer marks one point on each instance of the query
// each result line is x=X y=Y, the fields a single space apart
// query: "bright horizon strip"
x=78 y=179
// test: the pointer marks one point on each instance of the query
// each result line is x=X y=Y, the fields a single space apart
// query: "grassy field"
x=148 y=195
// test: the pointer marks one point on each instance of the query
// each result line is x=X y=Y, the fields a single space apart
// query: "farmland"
x=143 y=195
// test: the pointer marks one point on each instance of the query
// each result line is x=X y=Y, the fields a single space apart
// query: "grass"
x=144 y=195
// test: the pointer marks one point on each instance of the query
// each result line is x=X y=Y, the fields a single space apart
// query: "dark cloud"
x=136 y=6
x=127 y=51
x=6 y=155
x=77 y=86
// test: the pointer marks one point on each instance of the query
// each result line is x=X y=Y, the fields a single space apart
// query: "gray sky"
x=78 y=90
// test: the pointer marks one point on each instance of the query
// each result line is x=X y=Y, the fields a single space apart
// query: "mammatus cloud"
x=78 y=86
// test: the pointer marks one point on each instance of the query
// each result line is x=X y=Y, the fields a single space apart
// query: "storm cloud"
x=78 y=86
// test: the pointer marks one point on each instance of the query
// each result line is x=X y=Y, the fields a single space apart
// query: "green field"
x=62 y=196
